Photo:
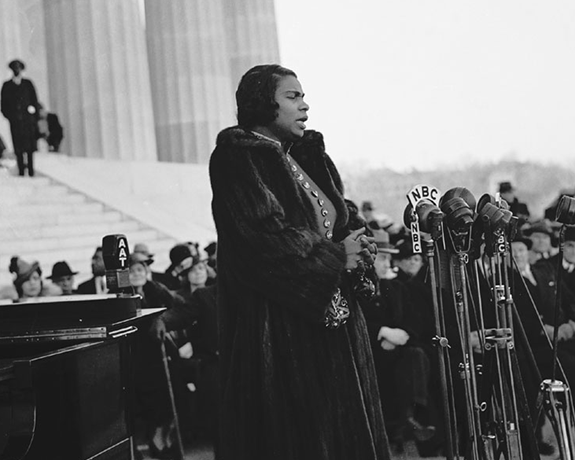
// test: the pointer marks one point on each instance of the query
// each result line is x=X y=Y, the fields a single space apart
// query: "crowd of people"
x=187 y=290
x=402 y=330
x=309 y=313
x=399 y=320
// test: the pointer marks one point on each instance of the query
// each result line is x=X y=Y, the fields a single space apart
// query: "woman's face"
x=138 y=275
x=520 y=254
x=198 y=275
x=66 y=283
x=410 y=265
x=541 y=242
x=382 y=264
x=569 y=251
x=289 y=124
x=32 y=287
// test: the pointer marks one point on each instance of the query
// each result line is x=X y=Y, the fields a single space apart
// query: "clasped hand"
x=391 y=337
x=360 y=249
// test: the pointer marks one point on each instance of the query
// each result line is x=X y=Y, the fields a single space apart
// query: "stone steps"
x=43 y=220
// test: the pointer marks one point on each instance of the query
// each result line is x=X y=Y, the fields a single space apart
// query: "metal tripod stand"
x=504 y=404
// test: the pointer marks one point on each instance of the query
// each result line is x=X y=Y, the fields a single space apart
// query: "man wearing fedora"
x=63 y=277
x=567 y=262
x=19 y=104
x=96 y=284
x=519 y=209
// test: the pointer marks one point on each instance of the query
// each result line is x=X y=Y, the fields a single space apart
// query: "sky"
x=424 y=84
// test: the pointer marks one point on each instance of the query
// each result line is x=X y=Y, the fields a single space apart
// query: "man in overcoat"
x=19 y=104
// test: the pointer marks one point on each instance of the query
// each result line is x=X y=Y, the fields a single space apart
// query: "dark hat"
x=211 y=248
x=569 y=233
x=139 y=258
x=539 y=227
x=182 y=259
x=521 y=238
x=404 y=249
x=505 y=187
x=61 y=269
x=16 y=62
x=382 y=242
x=367 y=206
x=142 y=248
x=22 y=269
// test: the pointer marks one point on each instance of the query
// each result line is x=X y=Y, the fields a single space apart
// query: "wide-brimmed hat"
x=505 y=187
x=382 y=242
x=539 y=227
x=139 y=258
x=404 y=249
x=183 y=259
x=61 y=269
x=16 y=62
x=22 y=270
x=142 y=248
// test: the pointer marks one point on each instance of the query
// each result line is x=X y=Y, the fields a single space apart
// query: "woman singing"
x=297 y=376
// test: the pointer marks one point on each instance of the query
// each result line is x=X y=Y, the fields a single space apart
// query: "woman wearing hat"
x=542 y=236
x=298 y=379
x=193 y=327
x=151 y=391
x=27 y=279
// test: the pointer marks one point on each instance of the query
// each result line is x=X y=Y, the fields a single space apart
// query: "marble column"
x=99 y=78
x=190 y=75
x=22 y=37
x=252 y=35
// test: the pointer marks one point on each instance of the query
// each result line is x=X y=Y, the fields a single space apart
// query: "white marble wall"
x=99 y=78
x=117 y=84
x=190 y=74
x=252 y=35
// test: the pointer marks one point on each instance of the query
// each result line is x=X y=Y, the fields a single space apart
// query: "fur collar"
x=309 y=152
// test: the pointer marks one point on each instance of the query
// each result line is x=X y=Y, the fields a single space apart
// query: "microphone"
x=115 y=252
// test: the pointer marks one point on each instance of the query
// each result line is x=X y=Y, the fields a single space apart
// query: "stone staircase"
x=43 y=220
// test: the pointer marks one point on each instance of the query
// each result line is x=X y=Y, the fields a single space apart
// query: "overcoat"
x=15 y=103
x=291 y=389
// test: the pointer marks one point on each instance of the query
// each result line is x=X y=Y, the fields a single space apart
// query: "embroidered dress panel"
x=324 y=208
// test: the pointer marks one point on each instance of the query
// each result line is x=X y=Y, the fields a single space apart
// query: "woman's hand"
x=565 y=332
x=360 y=249
x=158 y=329
x=549 y=330
x=475 y=341
x=386 y=345
x=396 y=336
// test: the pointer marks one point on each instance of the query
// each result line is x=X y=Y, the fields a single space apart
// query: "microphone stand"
x=461 y=244
x=442 y=344
x=508 y=405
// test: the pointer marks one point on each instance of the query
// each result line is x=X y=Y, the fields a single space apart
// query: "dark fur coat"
x=291 y=388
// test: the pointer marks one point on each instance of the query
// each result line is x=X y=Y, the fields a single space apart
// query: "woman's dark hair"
x=20 y=290
x=19 y=281
x=255 y=96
